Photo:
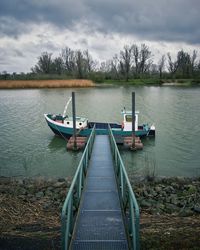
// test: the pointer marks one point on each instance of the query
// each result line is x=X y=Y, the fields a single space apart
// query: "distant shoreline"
x=20 y=84
x=82 y=83
x=155 y=82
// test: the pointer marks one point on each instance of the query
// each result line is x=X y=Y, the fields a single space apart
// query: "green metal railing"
x=71 y=204
x=129 y=202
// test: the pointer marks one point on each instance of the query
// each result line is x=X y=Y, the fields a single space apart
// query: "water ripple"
x=29 y=148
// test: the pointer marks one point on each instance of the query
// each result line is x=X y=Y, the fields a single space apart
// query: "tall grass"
x=14 y=84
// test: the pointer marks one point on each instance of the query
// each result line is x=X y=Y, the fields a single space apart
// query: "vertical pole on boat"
x=133 y=118
x=74 y=119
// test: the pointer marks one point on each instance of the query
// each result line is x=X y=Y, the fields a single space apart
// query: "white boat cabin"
x=81 y=122
x=127 y=120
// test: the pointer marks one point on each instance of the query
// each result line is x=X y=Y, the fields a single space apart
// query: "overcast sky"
x=30 y=27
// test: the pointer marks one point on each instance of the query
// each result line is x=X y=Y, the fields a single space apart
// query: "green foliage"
x=146 y=81
x=195 y=81
x=97 y=77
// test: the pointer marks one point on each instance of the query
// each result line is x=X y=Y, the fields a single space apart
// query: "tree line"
x=132 y=62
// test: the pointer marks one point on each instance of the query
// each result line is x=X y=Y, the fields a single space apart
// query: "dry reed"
x=14 y=84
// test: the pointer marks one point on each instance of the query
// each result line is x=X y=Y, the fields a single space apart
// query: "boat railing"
x=72 y=201
x=127 y=197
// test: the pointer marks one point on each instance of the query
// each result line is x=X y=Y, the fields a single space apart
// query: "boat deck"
x=103 y=125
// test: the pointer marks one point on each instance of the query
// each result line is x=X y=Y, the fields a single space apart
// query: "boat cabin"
x=67 y=121
x=127 y=120
x=80 y=122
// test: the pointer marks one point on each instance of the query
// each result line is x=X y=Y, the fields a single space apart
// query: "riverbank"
x=30 y=212
x=155 y=82
x=31 y=208
x=76 y=83
x=170 y=213
x=19 y=84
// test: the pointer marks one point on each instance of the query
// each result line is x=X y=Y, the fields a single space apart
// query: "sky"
x=103 y=27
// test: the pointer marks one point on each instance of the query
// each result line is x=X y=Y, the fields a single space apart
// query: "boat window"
x=80 y=123
x=128 y=118
x=67 y=122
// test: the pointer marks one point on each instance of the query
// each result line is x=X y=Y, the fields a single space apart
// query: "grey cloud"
x=166 y=20
x=60 y=13
x=11 y=27
x=155 y=20
x=17 y=53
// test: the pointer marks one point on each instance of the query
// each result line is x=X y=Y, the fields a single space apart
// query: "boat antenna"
x=66 y=106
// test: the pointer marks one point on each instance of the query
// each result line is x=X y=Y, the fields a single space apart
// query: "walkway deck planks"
x=100 y=222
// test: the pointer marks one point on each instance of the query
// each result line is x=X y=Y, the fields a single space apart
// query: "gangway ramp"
x=100 y=223
x=100 y=210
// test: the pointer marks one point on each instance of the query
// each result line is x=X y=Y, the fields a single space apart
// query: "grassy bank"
x=135 y=82
x=155 y=81
x=68 y=83
x=15 y=84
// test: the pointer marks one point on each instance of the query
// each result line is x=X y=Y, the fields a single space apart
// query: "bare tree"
x=126 y=61
x=110 y=68
x=161 y=65
x=142 y=59
x=58 y=66
x=193 y=61
x=145 y=55
x=44 y=65
x=5 y=75
x=183 y=60
x=172 y=66
x=88 y=61
x=68 y=57
x=79 y=64
x=136 y=55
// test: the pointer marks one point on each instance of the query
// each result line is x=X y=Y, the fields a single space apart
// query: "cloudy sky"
x=30 y=27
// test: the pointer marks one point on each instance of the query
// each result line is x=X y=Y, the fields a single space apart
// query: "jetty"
x=100 y=210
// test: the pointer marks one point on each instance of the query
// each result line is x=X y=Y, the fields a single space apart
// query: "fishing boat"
x=62 y=125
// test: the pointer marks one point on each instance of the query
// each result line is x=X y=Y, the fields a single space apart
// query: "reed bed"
x=15 y=84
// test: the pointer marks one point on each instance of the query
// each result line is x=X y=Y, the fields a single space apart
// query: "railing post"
x=132 y=223
x=63 y=231
x=137 y=230
x=133 y=119
x=115 y=156
x=74 y=119
x=87 y=155
x=122 y=183
x=69 y=211
x=80 y=182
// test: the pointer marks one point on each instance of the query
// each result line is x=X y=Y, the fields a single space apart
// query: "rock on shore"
x=30 y=212
x=169 y=195
x=163 y=203
x=53 y=191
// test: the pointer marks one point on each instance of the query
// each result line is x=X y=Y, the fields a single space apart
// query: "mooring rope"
x=60 y=133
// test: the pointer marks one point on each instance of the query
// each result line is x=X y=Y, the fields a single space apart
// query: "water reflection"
x=56 y=144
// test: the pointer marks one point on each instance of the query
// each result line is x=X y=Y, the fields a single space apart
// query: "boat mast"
x=66 y=107
x=133 y=118
x=74 y=119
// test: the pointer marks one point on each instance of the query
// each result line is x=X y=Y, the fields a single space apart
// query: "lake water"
x=29 y=148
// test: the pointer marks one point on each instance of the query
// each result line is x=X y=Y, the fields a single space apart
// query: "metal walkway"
x=100 y=222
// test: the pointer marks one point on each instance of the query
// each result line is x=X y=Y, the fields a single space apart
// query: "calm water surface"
x=29 y=148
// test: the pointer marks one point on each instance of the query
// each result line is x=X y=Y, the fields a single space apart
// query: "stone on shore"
x=169 y=195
